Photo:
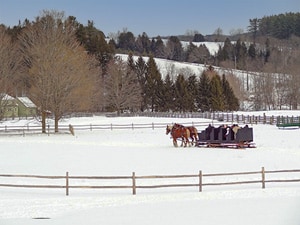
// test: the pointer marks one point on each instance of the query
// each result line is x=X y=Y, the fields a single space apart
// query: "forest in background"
x=65 y=66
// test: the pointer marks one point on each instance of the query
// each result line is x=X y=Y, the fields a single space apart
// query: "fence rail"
x=216 y=118
x=259 y=179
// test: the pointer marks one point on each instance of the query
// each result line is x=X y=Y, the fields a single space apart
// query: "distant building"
x=8 y=106
x=26 y=108
x=11 y=107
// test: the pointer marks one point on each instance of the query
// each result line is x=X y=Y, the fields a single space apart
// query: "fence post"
x=263 y=177
x=67 y=183
x=272 y=120
x=133 y=184
x=200 y=181
x=48 y=130
x=152 y=126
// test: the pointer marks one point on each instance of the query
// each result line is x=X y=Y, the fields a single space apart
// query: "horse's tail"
x=196 y=133
x=187 y=135
x=193 y=132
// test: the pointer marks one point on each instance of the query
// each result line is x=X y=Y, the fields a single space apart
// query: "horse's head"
x=168 y=129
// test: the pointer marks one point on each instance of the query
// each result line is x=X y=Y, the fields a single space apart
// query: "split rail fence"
x=216 y=118
x=134 y=179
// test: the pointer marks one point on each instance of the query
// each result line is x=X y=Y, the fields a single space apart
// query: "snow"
x=213 y=47
x=27 y=102
x=119 y=152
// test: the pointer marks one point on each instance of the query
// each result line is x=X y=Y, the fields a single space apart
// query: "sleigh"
x=226 y=137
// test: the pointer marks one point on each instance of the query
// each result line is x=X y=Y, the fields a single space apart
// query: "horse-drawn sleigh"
x=188 y=135
x=222 y=136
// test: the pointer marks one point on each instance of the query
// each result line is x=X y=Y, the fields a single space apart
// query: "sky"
x=155 y=17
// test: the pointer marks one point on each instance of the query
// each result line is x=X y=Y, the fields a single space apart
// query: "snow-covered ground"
x=146 y=152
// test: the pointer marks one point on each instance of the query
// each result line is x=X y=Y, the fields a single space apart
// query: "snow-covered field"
x=146 y=152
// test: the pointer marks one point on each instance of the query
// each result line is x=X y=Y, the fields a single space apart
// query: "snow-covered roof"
x=6 y=97
x=27 y=102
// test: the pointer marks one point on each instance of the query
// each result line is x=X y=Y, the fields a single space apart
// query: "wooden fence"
x=260 y=178
x=216 y=118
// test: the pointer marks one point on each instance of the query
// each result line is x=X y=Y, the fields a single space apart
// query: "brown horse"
x=179 y=132
x=193 y=132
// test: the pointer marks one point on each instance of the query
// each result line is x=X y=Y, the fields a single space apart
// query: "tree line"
x=65 y=66
x=205 y=92
x=282 y=26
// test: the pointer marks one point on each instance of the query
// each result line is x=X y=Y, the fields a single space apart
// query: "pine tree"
x=216 y=99
x=254 y=28
x=130 y=61
x=192 y=84
x=153 y=86
x=127 y=41
x=240 y=54
x=174 y=49
x=140 y=71
x=94 y=42
x=252 y=51
x=168 y=94
x=231 y=102
x=267 y=51
x=158 y=48
x=143 y=44
x=226 y=52
x=181 y=94
x=204 y=93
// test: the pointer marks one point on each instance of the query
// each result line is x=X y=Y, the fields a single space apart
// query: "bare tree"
x=9 y=62
x=123 y=90
x=58 y=67
x=218 y=32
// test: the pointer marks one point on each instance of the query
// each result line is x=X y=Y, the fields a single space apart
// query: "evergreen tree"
x=153 y=86
x=216 y=99
x=168 y=94
x=126 y=41
x=140 y=71
x=192 y=93
x=204 y=93
x=158 y=48
x=252 y=51
x=94 y=42
x=174 y=49
x=181 y=94
x=130 y=62
x=226 y=53
x=267 y=51
x=281 y=26
x=231 y=103
x=254 y=27
x=240 y=54
x=143 y=44
x=198 y=38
